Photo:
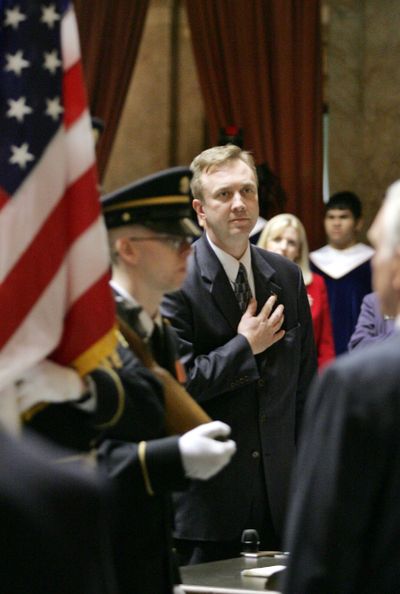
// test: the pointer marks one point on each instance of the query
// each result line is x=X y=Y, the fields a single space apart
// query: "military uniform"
x=127 y=433
x=161 y=203
x=127 y=426
x=158 y=336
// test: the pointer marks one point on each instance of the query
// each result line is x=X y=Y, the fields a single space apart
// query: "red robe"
x=321 y=317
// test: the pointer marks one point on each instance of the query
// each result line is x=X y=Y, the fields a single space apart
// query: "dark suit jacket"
x=53 y=528
x=344 y=523
x=261 y=397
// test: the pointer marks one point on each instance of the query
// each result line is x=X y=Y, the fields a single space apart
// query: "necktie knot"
x=242 y=288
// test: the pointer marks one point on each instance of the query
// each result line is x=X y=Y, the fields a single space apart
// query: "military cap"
x=160 y=201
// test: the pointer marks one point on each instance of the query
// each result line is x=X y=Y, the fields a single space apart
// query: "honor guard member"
x=150 y=231
x=142 y=422
x=150 y=228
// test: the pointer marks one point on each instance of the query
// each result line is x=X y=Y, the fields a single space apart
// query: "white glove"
x=202 y=455
x=48 y=382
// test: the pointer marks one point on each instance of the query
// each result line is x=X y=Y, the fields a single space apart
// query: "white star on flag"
x=13 y=17
x=51 y=61
x=54 y=109
x=21 y=155
x=16 y=62
x=49 y=15
x=18 y=109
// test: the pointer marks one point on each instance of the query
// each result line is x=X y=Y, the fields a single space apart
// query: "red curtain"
x=259 y=66
x=110 y=34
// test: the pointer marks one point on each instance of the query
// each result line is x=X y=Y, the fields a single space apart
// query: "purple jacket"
x=371 y=325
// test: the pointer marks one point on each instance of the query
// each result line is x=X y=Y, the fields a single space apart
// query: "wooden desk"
x=224 y=577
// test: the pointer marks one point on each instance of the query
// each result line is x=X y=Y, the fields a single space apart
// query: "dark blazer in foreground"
x=344 y=523
x=53 y=527
x=261 y=397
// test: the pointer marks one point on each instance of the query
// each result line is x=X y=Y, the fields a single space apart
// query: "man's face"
x=385 y=268
x=229 y=209
x=341 y=228
x=159 y=259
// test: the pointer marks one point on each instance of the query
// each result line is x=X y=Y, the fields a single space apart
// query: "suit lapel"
x=263 y=273
x=216 y=282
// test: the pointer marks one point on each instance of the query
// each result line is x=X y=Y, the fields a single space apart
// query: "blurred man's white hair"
x=391 y=217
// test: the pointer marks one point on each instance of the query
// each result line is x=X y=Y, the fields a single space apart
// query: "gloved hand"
x=48 y=382
x=202 y=455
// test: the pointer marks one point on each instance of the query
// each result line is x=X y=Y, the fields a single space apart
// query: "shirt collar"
x=231 y=264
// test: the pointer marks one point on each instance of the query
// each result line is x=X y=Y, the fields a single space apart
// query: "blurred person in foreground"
x=53 y=522
x=343 y=529
x=285 y=234
x=246 y=338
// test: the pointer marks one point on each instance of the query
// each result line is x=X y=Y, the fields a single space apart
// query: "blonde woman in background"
x=285 y=234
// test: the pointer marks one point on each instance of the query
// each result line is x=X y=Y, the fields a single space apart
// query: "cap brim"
x=184 y=227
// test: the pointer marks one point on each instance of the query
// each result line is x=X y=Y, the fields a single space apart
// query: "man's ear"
x=127 y=250
x=199 y=209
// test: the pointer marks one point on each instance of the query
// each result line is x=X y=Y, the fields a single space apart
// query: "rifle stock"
x=182 y=412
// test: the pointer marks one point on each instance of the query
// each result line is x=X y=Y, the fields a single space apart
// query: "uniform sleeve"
x=150 y=468
x=126 y=402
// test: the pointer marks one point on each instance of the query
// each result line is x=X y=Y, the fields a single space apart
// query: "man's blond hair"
x=217 y=155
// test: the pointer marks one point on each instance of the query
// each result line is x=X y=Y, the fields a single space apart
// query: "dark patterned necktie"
x=242 y=288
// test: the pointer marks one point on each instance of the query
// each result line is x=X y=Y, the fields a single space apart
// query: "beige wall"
x=362 y=91
x=150 y=136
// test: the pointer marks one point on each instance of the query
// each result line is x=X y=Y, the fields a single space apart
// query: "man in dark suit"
x=248 y=364
x=343 y=529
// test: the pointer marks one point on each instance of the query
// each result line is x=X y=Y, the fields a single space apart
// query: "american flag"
x=55 y=300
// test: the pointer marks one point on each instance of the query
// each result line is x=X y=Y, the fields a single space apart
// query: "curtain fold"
x=259 y=66
x=110 y=34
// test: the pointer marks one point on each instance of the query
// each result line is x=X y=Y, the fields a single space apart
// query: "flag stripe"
x=25 y=214
x=73 y=88
x=97 y=325
x=70 y=40
x=4 y=198
x=39 y=334
x=49 y=247
x=87 y=269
